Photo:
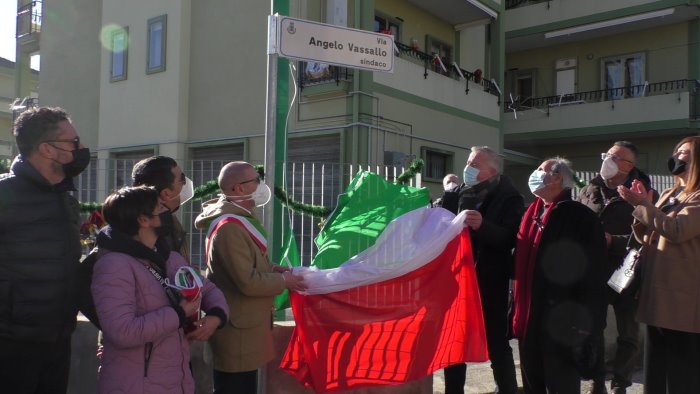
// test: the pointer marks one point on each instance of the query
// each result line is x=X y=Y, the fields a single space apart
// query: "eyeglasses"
x=615 y=157
x=75 y=141
x=256 y=179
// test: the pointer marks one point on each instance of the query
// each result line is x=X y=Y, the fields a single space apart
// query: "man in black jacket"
x=39 y=253
x=601 y=196
x=494 y=209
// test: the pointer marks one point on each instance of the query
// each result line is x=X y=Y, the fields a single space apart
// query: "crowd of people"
x=542 y=271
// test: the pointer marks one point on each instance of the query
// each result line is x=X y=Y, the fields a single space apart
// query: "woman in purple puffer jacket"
x=146 y=349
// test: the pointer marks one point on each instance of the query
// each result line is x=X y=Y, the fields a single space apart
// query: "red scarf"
x=527 y=243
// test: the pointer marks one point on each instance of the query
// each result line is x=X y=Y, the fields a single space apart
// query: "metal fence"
x=306 y=182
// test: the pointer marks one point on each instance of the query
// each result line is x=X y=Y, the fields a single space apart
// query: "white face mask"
x=609 y=168
x=536 y=181
x=470 y=176
x=450 y=186
x=260 y=196
x=187 y=191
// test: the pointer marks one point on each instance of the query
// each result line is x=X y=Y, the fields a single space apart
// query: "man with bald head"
x=240 y=266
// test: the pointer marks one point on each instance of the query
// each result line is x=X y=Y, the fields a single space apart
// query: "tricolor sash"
x=251 y=226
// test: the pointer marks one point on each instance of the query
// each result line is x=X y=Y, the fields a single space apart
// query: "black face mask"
x=166 y=224
x=676 y=165
x=81 y=159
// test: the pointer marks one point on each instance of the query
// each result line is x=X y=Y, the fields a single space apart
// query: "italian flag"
x=392 y=293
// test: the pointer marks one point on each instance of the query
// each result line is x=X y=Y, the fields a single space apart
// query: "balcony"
x=29 y=26
x=534 y=24
x=423 y=76
x=657 y=104
x=417 y=73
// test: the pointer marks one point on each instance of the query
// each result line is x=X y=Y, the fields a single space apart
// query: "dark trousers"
x=671 y=361
x=30 y=367
x=547 y=367
x=494 y=304
x=625 y=308
x=236 y=382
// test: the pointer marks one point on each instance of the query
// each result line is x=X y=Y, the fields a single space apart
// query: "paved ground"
x=480 y=379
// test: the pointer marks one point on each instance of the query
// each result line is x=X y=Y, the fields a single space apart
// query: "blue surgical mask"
x=536 y=181
x=470 y=174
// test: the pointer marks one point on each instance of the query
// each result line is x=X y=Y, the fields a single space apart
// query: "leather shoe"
x=619 y=390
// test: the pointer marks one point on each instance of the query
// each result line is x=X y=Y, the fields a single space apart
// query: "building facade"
x=581 y=75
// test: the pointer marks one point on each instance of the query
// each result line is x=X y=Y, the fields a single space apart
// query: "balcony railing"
x=311 y=73
x=519 y=3
x=29 y=19
x=592 y=96
x=430 y=62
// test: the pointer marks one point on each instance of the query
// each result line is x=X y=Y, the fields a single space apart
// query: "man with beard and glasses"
x=39 y=253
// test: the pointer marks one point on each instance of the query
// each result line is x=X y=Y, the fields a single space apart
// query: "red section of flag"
x=390 y=332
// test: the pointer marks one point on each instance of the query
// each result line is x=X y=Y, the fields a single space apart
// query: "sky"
x=8 y=15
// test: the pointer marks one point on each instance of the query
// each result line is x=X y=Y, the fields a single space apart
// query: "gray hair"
x=562 y=167
x=495 y=160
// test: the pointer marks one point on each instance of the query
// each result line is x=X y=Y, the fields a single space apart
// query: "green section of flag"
x=290 y=256
x=363 y=211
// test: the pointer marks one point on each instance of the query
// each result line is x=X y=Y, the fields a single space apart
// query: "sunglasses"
x=75 y=141
x=256 y=179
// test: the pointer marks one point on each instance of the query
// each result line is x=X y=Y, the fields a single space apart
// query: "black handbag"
x=625 y=274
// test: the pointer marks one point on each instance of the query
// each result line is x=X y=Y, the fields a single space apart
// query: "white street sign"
x=323 y=43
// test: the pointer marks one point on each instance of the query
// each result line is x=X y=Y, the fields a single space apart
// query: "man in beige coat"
x=238 y=260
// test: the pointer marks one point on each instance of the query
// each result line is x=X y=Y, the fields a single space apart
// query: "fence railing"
x=306 y=182
x=651 y=89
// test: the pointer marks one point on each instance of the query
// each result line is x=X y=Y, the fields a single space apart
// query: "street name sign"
x=319 y=42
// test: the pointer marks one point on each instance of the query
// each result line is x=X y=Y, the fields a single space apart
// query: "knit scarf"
x=527 y=244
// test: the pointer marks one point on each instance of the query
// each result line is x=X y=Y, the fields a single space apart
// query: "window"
x=120 y=51
x=437 y=162
x=522 y=85
x=157 y=29
x=387 y=25
x=623 y=76
x=123 y=163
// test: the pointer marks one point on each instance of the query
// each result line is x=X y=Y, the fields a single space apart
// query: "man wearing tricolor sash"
x=237 y=257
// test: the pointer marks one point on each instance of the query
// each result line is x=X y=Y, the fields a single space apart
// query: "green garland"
x=90 y=207
x=415 y=167
x=211 y=187
x=317 y=211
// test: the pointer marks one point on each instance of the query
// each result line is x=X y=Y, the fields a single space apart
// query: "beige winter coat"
x=244 y=274
x=670 y=292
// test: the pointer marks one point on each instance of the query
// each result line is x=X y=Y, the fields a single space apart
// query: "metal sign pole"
x=271 y=121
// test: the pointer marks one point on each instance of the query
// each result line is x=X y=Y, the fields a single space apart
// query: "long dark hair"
x=692 y=184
